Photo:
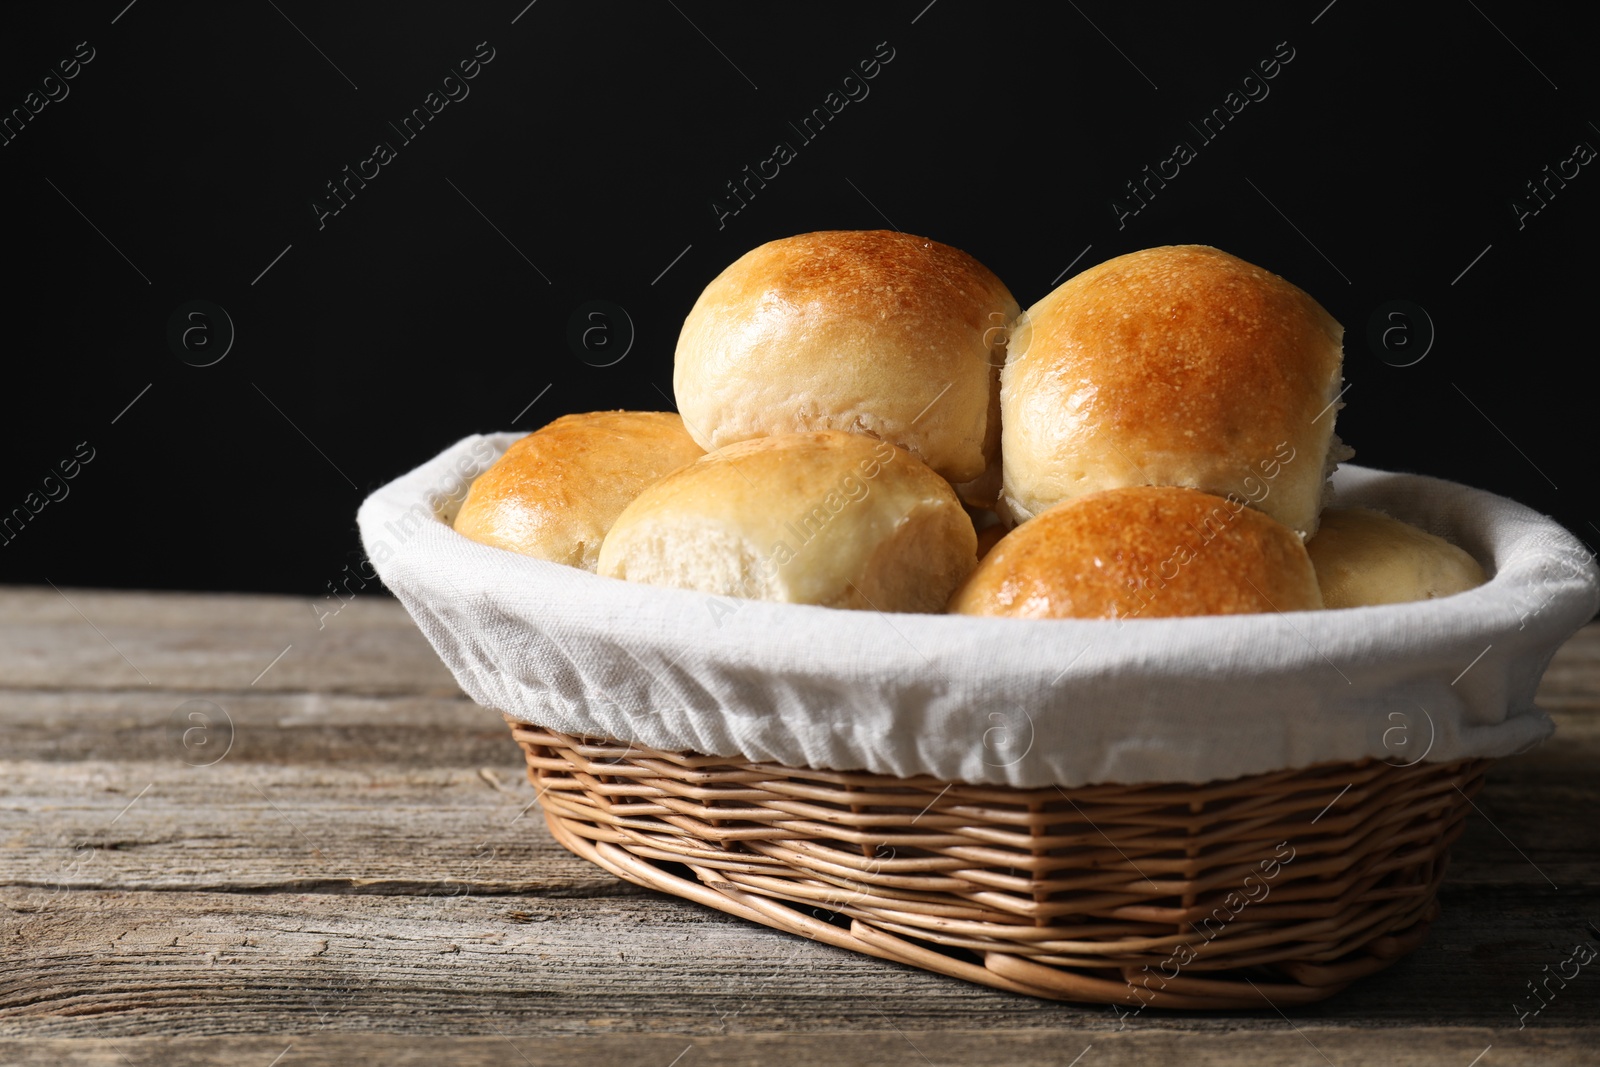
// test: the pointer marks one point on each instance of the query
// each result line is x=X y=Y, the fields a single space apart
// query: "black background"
x=583 y=166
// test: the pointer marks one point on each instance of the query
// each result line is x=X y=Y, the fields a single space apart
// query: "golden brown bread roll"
x=556 y=492
x=1143 y=552
x=867 y=331
x=828 y=518
x=1364 y=557
x=1180 y=366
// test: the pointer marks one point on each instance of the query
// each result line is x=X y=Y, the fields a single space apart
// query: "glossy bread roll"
x=1143 y=552
x=556 y=492
x=826 y=518
x=867 y=331
x=1365 y=557
x=1180 y=366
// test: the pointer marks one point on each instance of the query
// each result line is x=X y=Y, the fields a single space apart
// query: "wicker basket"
x=1276 y=888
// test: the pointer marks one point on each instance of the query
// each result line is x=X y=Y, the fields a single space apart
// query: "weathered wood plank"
x=125 y=963
x=236 y=826
x=1410 y=1047
x=370 y=608
x=154 y=725
x=101 y=640
x=1526 y=828
x=1573 y=677
x=114 y=963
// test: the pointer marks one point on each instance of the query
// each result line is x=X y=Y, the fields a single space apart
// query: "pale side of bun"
x=827 y=518
x=867 y=331
x=1365 y=557
x=1181 y=366
x=1143 y=552
x=556 y=492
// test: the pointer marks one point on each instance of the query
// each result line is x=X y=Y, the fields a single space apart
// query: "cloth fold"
x=1027 y=703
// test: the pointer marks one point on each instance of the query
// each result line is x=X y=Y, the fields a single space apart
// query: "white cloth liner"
x=1027 y=703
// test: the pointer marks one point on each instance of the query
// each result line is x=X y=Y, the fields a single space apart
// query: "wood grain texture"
x=191 y=641
x=106 y=963
x=1311 y=1046
x=1573 y=678
x=239 y=827
x=360 y=874
x=304 y=728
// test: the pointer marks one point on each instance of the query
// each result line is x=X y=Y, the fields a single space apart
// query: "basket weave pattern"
x=1280 y=887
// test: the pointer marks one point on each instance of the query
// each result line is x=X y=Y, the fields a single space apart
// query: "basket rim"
x=868 y=779
x=1346 y=478
x=1005 y=701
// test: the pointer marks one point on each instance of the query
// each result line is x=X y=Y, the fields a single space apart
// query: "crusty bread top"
x=1180 y=365
x=1142 y=552
x=827 y=518
x=556 y=492
x=867 y=331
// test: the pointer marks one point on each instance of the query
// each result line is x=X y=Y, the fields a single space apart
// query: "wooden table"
x=230 y=836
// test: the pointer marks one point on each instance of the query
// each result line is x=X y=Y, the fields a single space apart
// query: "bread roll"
x=556 y=492
x=826 y=518
x=871 y=331
x=1180 y=366
x=1143 y=552
x=1365 y=557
